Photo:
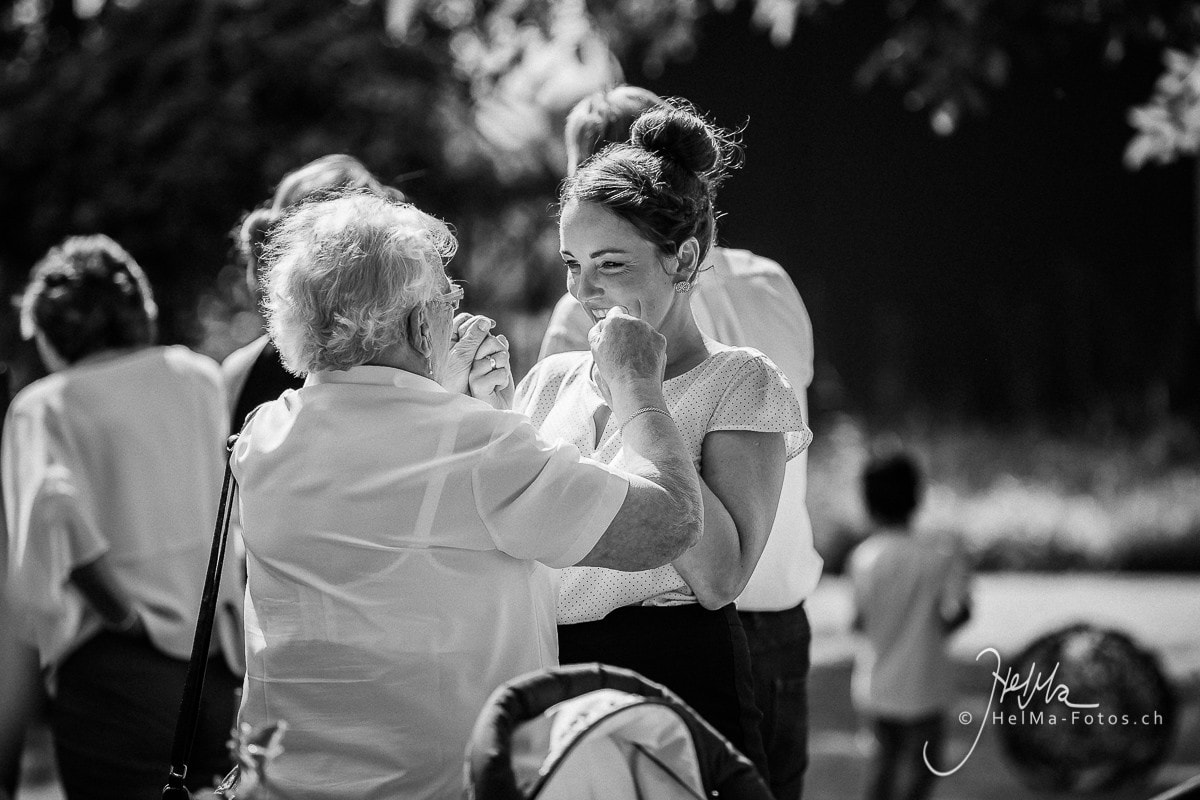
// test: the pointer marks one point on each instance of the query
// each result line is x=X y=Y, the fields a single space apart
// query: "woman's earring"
x=429 y=366
x=683 y=287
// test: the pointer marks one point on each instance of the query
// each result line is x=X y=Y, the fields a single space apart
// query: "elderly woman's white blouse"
x=394 y=532
x=130 y=448
x=735 y=388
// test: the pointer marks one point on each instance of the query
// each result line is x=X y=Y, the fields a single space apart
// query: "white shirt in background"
x=132 y=447
x=394 y=532
x=904 y=593
x=747 y=301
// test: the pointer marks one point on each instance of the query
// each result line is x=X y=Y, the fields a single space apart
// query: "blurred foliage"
x=949 y=55
x=162 y=122
x=1168 y=126
x=1035 y=499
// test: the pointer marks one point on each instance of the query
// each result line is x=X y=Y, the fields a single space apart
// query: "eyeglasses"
x=450 y=299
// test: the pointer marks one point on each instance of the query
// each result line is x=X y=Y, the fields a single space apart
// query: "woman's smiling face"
x=609 y=263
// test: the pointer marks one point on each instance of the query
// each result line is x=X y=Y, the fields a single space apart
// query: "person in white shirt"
x=111 y=475
x=400 y=525
x=909 y=597
x=745 y=300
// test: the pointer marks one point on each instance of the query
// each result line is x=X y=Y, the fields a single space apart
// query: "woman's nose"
x=585 y=286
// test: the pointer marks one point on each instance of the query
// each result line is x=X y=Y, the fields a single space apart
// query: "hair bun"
x=680 y=136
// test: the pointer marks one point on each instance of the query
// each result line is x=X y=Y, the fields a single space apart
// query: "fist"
x=627 y=350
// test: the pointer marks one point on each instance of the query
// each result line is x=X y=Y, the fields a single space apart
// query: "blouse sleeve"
x=759 y=398
x=49 y=528
x=543 y=501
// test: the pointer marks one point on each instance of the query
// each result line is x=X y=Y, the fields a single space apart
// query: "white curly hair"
x=343 y=274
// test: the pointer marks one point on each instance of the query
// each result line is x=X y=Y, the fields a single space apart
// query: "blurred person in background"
x=748 y=301
x=400 y=525
x=909 y=596
x=20 y=695
x=111 y=475
x=636 y=223
x=254 y=374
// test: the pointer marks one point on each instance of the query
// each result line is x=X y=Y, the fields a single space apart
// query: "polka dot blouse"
x=735 y=388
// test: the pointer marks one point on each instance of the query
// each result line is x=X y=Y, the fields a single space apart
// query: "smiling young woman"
x=636 y=225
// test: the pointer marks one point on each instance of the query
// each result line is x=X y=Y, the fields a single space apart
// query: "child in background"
x=909 y=596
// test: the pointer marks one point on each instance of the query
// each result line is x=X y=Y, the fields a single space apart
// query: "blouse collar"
x=374 y=375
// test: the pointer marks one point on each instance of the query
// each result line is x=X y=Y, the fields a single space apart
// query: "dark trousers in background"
x=899 y=769
x=779 y=644
x=698 y=654
x=113 y=718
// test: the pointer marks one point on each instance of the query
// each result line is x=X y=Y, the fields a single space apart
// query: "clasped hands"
x=479 y=364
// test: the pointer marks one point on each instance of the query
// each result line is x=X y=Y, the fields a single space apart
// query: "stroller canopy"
x=595 y=731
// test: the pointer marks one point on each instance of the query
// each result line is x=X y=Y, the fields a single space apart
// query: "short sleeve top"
x=393 y=532
x=128 y=449
x=735 y=388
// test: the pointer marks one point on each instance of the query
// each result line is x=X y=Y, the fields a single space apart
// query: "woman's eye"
x=612 y=266
x=571 y=266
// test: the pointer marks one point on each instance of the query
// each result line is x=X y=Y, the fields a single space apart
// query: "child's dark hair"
x=892 y=488
x=87 y=294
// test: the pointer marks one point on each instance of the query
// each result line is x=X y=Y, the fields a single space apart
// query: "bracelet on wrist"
x=643 y=410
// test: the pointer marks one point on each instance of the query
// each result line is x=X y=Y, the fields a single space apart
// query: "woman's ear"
x=418 y=334
x=687 y=265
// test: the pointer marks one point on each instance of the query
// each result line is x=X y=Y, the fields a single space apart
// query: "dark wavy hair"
x=318 y=179
x=664 y=180
x=86 y=295
x=892 y=488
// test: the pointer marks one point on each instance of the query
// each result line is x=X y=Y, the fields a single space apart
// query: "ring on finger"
x=492 y=361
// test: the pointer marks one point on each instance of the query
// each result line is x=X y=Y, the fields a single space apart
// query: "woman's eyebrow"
x=601 y=252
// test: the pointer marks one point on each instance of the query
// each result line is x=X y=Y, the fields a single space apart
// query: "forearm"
x=663 y=512
x=718 y=568
x=741 y=478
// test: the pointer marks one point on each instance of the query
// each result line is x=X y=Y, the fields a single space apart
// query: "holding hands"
x=479 y=362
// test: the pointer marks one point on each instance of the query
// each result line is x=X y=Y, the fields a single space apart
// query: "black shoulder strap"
x=266 y=380
x=189 y=707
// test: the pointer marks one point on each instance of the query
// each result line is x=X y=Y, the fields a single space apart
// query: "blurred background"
x=988 y=207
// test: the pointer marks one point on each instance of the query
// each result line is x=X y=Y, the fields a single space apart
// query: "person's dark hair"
x=892 y=489
x=664 y=180
x=603 y=118
x=86 y=295
x=317 y=179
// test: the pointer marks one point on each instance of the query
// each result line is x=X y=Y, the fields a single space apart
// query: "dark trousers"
x=698 y=654
x=113 y=718
x=899 y=769
x=779 y=659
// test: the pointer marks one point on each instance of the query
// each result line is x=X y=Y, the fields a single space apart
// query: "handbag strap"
x=189 y=707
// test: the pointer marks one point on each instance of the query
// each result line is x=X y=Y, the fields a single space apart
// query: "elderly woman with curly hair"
x=253 y=373
x=111 y=471
x=400 y=533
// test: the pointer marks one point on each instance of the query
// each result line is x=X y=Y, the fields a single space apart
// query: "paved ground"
x=1162 y=613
